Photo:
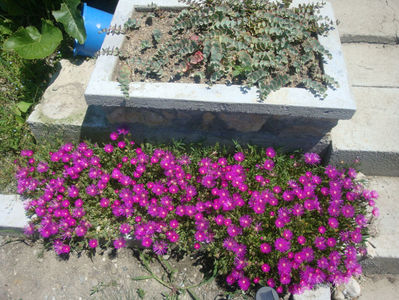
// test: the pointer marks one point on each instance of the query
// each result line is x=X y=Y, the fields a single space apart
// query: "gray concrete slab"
x=384 y=247
x=372 y=21
x=12 y=214
x=372 y=65
x=372 y=135
x=379 y=287
x=321 y=292
x=62 y=109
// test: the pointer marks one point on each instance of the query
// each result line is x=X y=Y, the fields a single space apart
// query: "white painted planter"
x=290 y=117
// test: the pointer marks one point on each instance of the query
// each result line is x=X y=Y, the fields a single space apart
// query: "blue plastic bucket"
x=95 y=20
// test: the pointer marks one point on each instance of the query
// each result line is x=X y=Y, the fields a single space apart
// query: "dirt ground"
x=30 y=272
x=385 y=286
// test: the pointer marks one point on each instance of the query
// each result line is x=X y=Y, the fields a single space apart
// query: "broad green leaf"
x=24 y=106
x=19 y=119
x=70 y=17
x=5 y=30
x=29 y=43
x=16 y=111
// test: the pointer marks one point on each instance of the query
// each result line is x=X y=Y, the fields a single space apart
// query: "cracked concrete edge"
x=12 y=215
x=380 y=265
x=370 y=39
x=372 y=163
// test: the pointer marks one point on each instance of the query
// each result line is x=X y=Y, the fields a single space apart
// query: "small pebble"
x=352 y=289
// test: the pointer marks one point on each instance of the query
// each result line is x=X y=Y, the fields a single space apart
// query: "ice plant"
x=269 y=219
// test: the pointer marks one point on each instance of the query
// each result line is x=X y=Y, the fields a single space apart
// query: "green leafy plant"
x=124 y=81
x=101 y=286
x=30 y=43
x=254 y=43
x=261 y=217
x=140 y=293
x=132 y=24
x=145 y=45
x=169 y=282
x=156 y=35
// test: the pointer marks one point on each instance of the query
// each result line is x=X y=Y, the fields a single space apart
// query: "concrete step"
x=369 y=21
x=371 y=65
x=372 y=135
x=383 y=248
x=12 y=214
x=62 y=109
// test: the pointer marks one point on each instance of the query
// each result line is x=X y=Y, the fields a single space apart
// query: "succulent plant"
x=255 y=43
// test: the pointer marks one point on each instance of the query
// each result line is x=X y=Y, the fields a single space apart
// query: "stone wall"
x=289 y=133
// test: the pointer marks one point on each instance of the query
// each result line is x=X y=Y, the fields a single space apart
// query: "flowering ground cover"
x=262 y=217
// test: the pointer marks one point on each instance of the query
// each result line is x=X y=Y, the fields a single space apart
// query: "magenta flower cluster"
x=288 y=224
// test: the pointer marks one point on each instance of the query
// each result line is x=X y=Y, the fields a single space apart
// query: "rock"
x=352 y=289
x=286 y=296
x=338 y=295
x=321 y=292
x=207 y=119
x=243 y=122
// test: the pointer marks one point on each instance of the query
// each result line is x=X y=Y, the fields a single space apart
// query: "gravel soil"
x=28 y=271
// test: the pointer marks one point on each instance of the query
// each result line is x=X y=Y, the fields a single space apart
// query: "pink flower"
x=268 y=165
x=287 y=234
x=78 y=203
x=42 y=167
x=234 y=230
x=301 y=240
x=119 y=243
x=376 y=212
x=73 y=191
x=265 y=268
x=125 y=228
x=245 y=221
x=93 y=243
x=113 y=136
x=230 y=279
x=312 y=158
x=121 y=144
x=277 y=189
x=333 y=222
x=27 y=153
x=92 y=190
x=239 y=156
x=331 y=242
x=322 y=229
x=244 y=283
x=270 y=152
x=104 y=202
x=284 y=266
x=108 y=148
x=174 y=224
x=282 y=245
x=146 y=242
x=348 y=211
x=66 y=249
x=270 y=282
x=160 y=247
x=80 y=230
x=265 y=248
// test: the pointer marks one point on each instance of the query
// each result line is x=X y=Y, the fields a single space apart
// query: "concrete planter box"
x=291 y=118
